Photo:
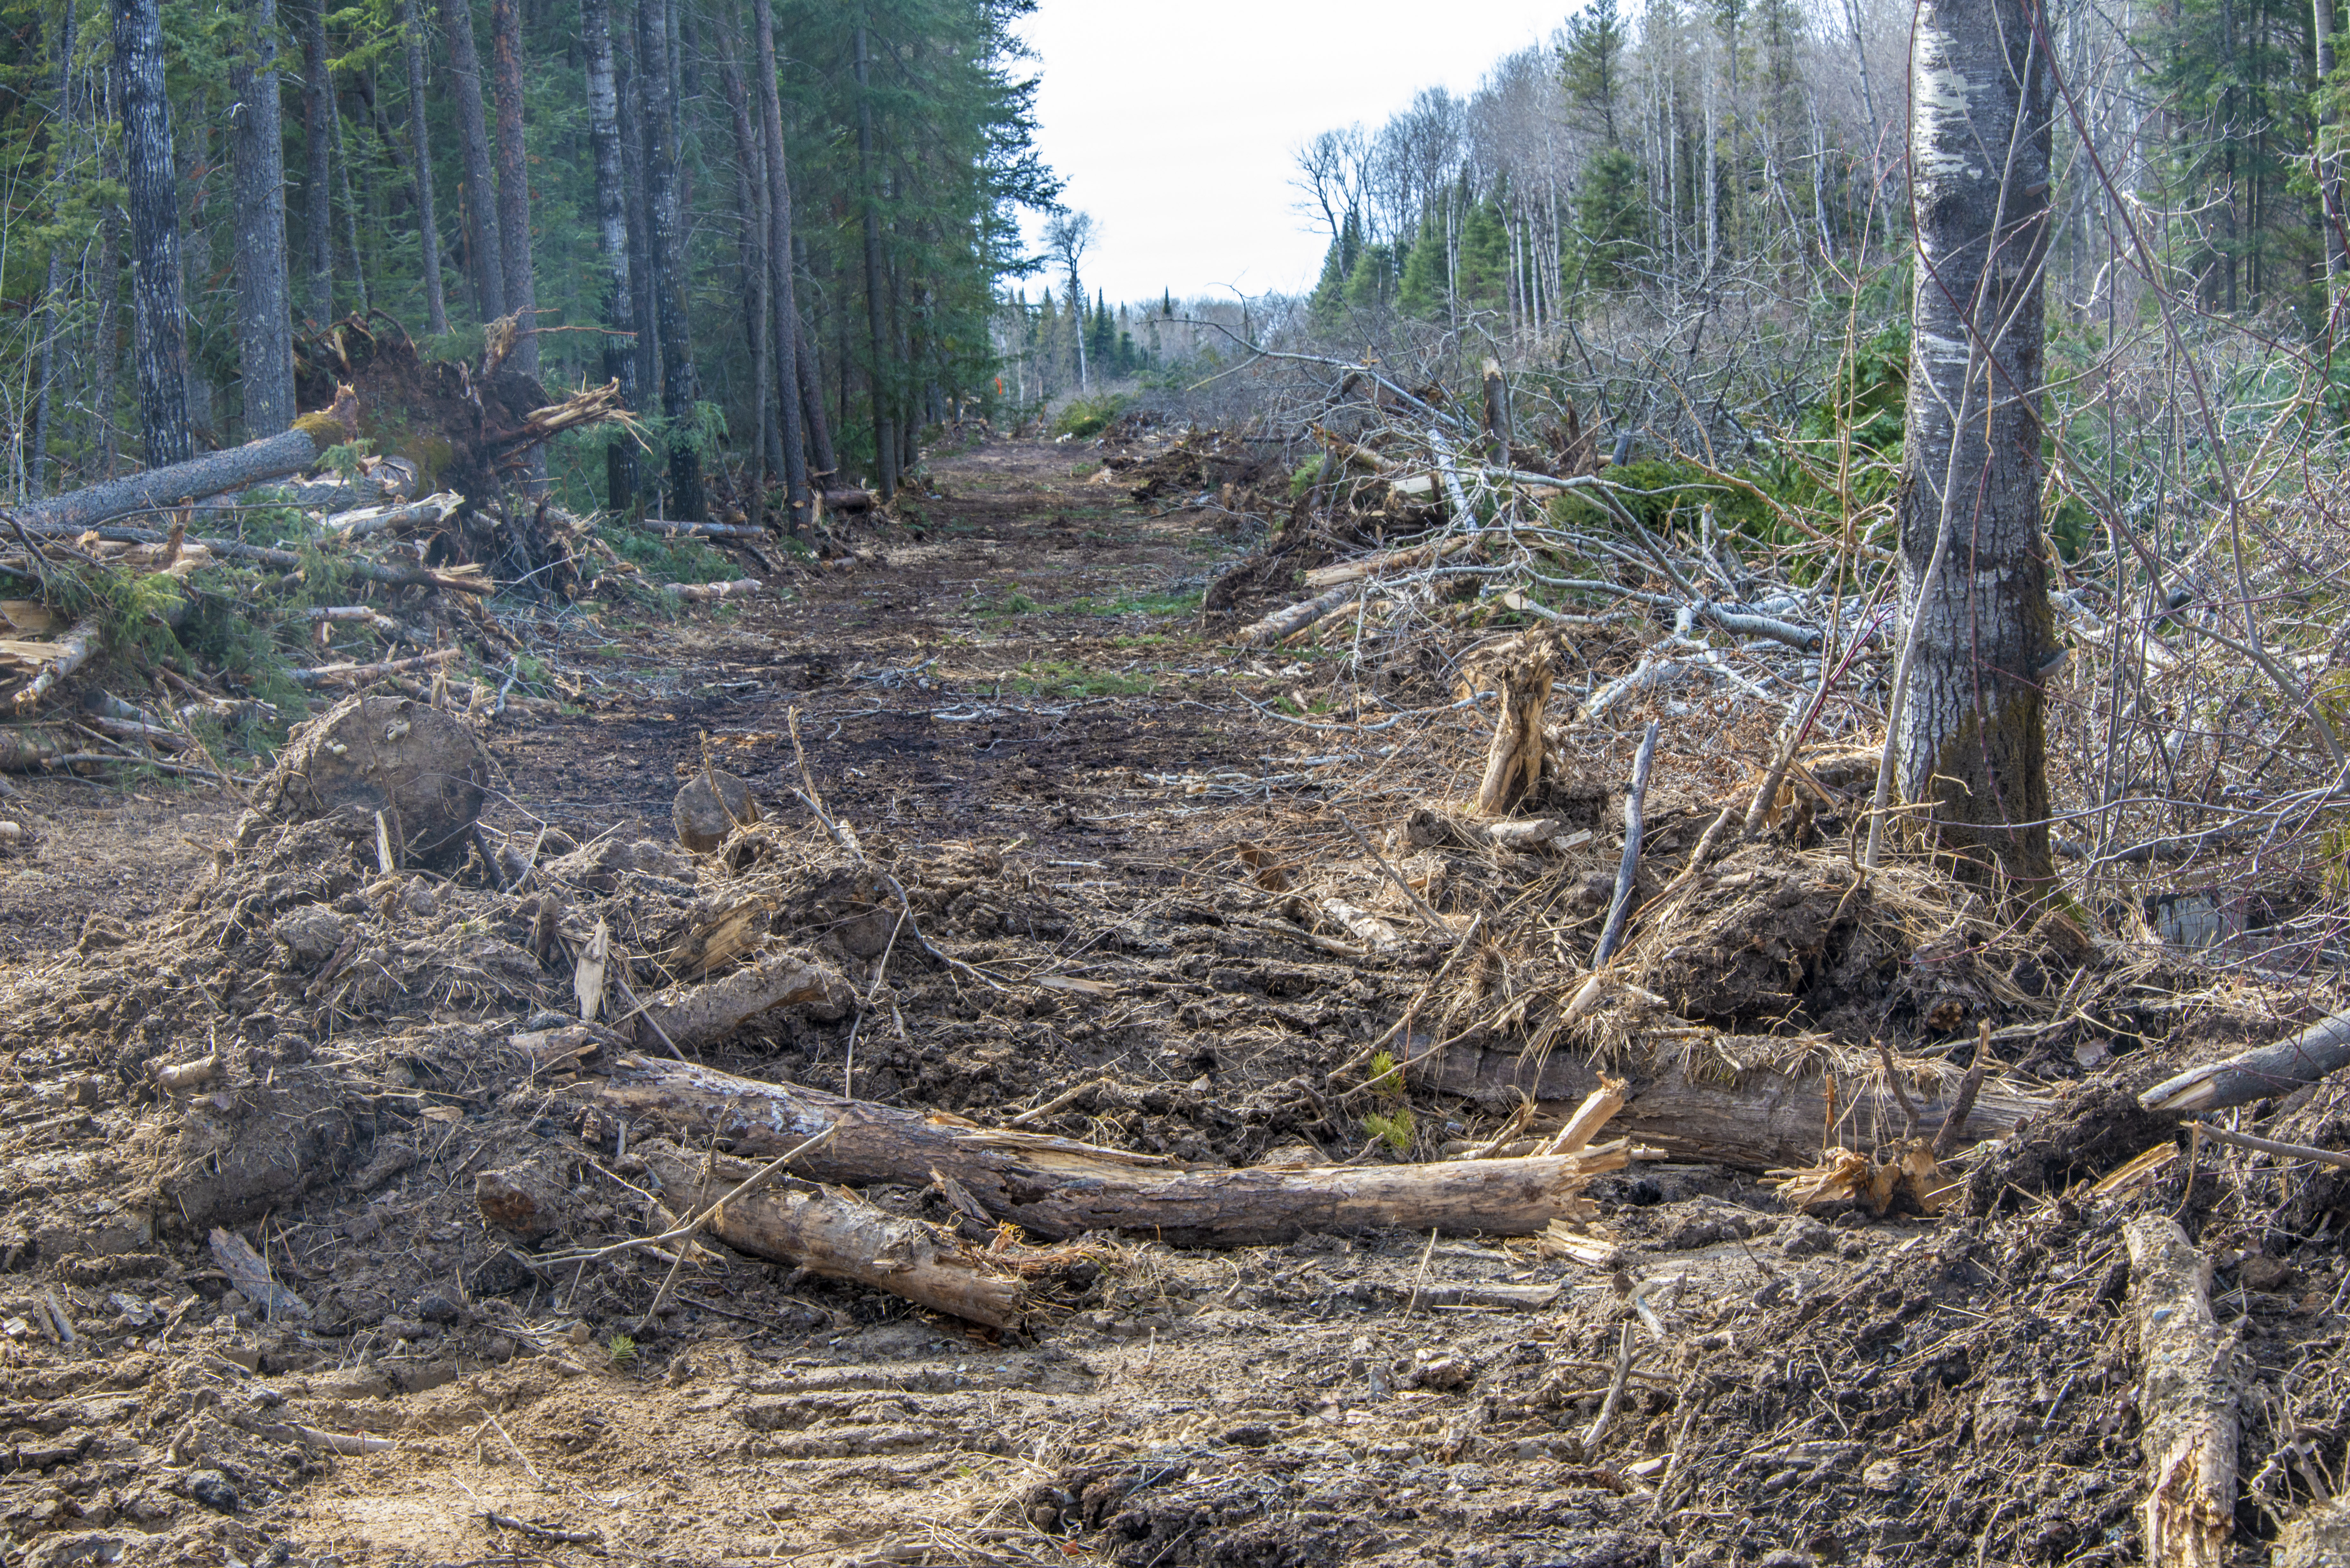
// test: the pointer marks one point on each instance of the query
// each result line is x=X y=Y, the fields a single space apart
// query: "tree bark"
x=782 y=291
x=350 y=202
x=885 y=429
x=632 y=92
x=810 y=371
x=160 y=330
x=514 y=186
x=842 y=1236
x=52 y=314
x=214 y=474
x=264 y=285
x=2186 y=1403
x=1761 y=1120
x=318 y=199
x=666 y=249
x=612 y=236
x=107 y=328
x=2331 y=213
x=751 y=210
x=427 y=221
x=1974 y=583
x=1058 y=1188
x=482 y=254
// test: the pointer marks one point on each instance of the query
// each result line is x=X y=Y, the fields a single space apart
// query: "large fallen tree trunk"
x=214 y=474
x=2187 y=1400
x=1057 y=1188
x=2321 y=1048
x=1759 y=1121
x=842 y=1236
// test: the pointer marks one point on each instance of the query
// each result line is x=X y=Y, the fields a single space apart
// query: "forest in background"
x=629 y=177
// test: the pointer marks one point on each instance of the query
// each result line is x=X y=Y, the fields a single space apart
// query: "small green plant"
x=622 y=1351
x=1085 y=417
x=344 y=460
x=1386 y=1076
x=1395 y=1126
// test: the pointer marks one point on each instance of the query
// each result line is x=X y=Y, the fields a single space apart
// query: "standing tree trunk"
x=473 y=130
x=265 y=302
x=159 y=332
x=52 y=316
x=750 y=211
x=107 y=328
x=2331 y=211
x=885 y=430
x=666 y=250
x=436 y=305
x=782 y=296
x=1972 y=740
x=317 y=203
x=514 y=189
x=612 y=234
x=811 y=382
x=350 y=203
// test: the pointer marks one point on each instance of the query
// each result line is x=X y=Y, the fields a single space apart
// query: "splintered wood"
x=1513 y=764
x=2187 y=1400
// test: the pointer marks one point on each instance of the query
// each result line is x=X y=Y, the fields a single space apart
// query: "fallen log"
x=1392 y=561
x=686 y=1016
x=843 y=1237
x=335 y=674
x=30 y=751
x=433 y=511
x=848 y=501
x=1288 y=623
x=1758 y=1120
x=466 y=580
x=73 y=650
x=2187 y=1400
x=214 y=474
x=2272 y=1070
x=1058 y=1188
x=739 y=588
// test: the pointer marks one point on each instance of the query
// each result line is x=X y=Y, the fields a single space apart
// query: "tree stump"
x=418 y=768
x=1513 y=765
x=709 y=809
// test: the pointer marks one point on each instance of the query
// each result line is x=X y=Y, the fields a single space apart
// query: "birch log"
x=1056 y=1187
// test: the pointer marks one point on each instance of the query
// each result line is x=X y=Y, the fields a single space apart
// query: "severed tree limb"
x=1288 y=623
x=29 y=750
x=686 y=1017
x=1628 y=872
x=433 y=511
x=328 y=674
x=1056 y=1187
x=2187 y=1400
x=74 y=649
x=2272 y=1070
x=844 y=1237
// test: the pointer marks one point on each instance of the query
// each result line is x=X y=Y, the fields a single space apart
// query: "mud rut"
x=1007 y=692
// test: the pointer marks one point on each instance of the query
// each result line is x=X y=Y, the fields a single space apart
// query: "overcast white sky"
x=1173 y=124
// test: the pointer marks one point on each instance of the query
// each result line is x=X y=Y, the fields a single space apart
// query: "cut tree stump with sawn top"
x=422 y=769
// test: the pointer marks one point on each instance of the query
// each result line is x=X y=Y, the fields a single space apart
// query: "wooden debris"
x=249 y=1271
x=686 y=1017
x=1514 y=762
x=341 y=674
x=1844 y=1178
x=1058 y=1188
x=1538 y=833
x=431 y=512
x=72 y=650
x=422 y=768
x=741 y=588
x=2265 y=1073
x=1284 y=624
x=1377 y=566
x=843 y=1237
x=187 y=1075
x=711 y=806
x=2187 y=1400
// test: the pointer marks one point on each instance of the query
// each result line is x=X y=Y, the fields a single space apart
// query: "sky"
x=1174 y=125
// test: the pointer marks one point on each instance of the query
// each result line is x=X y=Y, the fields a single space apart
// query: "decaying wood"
x=843 y=1237
x=708 y=810
x=431 y=512
x=1538 y=833
x=2272 y=1070
x=180 y=1076
x=687 y=1017
x=1055 y=1186
x=1514 y=762
x=249 y=1272
x=2187 y=1400
x=28 y=751
x=1628 y=870
x=848 y=501
x=1288 y=623
x=214 y=473
x=1758 y=1120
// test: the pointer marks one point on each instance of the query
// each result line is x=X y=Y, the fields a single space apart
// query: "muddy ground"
x=1007 y=694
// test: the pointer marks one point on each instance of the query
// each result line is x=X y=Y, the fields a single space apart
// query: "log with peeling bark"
x=1058 y=1188
x=214 y=473
x=2187 y=1400
x=687 y=1017
x=1288 y=623
x=843 y=1237
x=431 y=512
x=1758 y=1120
x=1392 y=561
x=741 y=588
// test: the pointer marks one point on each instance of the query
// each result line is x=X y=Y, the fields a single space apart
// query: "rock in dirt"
x=710 y=807
x=213 y=1490
x=523 y=1201
x=422 y=769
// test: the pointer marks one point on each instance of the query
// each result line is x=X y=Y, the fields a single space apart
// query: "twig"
x=1435 y=921
x=1954 y=1126
x=1900 y=1091
x=1615 y=1391
x=543 y=1533
x=2270 y=1146
x=1628 y=870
